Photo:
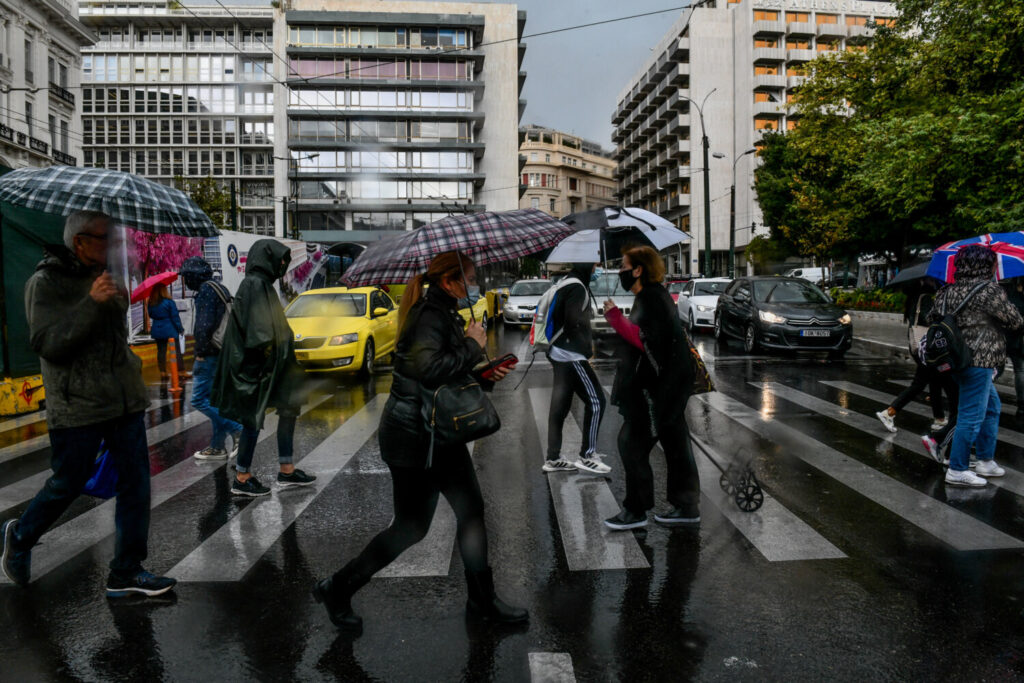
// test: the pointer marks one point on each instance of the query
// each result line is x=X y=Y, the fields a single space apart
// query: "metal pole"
x=295 y=200
x=707 y=200
x=732 y=227
x=234 y=207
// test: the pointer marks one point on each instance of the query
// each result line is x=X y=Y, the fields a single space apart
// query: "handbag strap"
x=970 y=294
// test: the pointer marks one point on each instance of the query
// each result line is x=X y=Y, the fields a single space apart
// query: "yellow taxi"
x=341 y=329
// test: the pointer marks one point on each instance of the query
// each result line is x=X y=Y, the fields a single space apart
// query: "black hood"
x=974 y=262
x=194 y=272
x=268 y=258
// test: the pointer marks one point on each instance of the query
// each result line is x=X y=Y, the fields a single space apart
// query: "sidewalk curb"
x=880 y=348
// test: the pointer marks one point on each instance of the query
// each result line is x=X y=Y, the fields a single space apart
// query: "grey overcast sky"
x=574 y=77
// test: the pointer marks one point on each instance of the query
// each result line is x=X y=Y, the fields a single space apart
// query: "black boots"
x=484 y=603
x=338 y=601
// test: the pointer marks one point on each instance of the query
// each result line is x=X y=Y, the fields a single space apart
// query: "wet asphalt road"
x=861 y=564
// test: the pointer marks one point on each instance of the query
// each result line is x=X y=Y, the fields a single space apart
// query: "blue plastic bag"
x=103 y=482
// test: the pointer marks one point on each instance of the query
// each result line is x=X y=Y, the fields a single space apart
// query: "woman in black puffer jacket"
x=432 y=350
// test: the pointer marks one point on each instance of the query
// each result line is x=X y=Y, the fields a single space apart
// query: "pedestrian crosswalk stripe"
x=433 y=555
x=22 y=420
x=1010 y=436
x=38 y=443
x=581 y=504
x=1007 y=408
x=551 y=667
x=235 y=548
x=949 y=525
x=1013 y=480
x=778 y=534
x=67 y=540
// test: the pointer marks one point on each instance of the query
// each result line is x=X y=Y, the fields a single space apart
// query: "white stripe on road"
x=956 y=528
x=38 y=443
x=776 y=532
x=235 y=548
x=24 y=489
x=551 y=667
x=581 y=504
x=1007 y=408
x=1013 y=480
x=1010 y=436
x=433 y=555
x=22 y=420
x=91 y=527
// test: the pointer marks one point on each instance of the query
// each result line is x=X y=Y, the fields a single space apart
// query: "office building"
x=396 y=113
x=563 y=173
x=740 y=63
x=39 y=76
x=184 y=91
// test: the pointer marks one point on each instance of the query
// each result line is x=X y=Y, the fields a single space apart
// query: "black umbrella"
x=913 y=276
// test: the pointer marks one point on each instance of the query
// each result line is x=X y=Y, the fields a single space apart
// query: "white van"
x=813 y=275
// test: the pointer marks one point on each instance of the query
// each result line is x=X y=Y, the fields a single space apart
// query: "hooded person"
x=572 y=345
x=257 y=368
x=210 y=305
x=984 y=317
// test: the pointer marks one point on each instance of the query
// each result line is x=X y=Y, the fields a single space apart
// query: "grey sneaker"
x=626 y=520
x=559 y=465
x=16 y=564
x=988 y=468
x=965 y=478
x=593 y=465
x=250 y=487
x=886 y=419
x=678 y=516
x=296 y=478
x=211 y=453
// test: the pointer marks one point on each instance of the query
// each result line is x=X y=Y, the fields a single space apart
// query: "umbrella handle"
x=472 y=313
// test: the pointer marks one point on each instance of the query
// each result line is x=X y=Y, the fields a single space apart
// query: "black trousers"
x=416 y=492
x=161 y=355
x=576 y=378
x=635 y=443
x=936 y=383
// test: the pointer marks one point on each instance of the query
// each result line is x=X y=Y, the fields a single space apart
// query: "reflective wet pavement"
x=861 y=564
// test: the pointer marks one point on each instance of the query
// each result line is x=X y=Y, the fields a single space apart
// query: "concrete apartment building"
x=167 y=93
x=397 y=113
x=563 y=173
x=741 y=63
x=333 y=119
x=39 y=78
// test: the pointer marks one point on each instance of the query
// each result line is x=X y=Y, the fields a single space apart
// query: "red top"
x=627 y=330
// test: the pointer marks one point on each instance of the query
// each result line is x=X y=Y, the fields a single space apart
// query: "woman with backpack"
x=984 y=316
x=434 y=349
x=652 y=384
x=165 y=325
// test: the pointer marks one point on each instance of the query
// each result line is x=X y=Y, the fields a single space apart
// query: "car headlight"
x=846 y=319
x=344 y=339
x=769 y=317
x=702 y=308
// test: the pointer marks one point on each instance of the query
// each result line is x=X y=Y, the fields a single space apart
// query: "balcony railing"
x=6 y=132
x=38 y=145
x=66 y=159
x=62 y=93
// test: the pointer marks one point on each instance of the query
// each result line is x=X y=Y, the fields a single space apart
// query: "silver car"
x=605 y=286
x=522 y=301
x=698 y=300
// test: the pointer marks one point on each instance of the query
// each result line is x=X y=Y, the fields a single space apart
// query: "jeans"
x=977 y=418
x=635 y=444
x=1018 y=381
x=202 y=380
x=576 y=378
x=285 y=442
x=74 y=451
x=415 y=493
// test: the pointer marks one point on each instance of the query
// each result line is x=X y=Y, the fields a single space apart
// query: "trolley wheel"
x=750 y=498
x=728 y=481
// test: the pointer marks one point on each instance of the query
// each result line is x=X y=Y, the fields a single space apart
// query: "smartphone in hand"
x=509 y=361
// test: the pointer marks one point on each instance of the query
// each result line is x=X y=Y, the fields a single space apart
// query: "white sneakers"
x=966 y=479
x=989 y=468
x=593 y=465
x=886 y=419
x=559 y=465
x=932 y=446
x=939 y=424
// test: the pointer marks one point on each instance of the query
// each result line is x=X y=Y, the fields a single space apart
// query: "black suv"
x=782 y=313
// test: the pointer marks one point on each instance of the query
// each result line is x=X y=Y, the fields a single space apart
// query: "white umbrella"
x=602 y=230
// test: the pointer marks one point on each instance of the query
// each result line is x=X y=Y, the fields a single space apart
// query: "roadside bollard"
x=172 y=365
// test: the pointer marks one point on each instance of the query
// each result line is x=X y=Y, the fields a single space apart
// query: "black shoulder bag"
x=944 y=349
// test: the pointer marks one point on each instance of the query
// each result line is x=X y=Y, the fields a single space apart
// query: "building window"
x=766 y=70
x=826 y=19
x=53 y=131
x=765 y=123
x=547 y=158
x=533 y=156
x=828 y=47
x=853 y=20
x=573 y=184
x=766 y=42
x=795 y=70
x=552 y=206
x=798 y=44
x=535 y=202
x=29 y=76
x=798 y=17
x=28 y=119
x=765 y=15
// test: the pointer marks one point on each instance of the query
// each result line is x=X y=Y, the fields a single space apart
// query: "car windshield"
x=328 y=306
x=788 y=292
x=709 y=288
x=530 y=288
x=607 y=284
x=676 y=287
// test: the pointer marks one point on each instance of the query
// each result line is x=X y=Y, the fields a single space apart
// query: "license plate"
x=302 y=355
x=814 y=333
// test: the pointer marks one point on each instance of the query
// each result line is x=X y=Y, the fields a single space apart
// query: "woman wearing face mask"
x=432 y=350
x=652 y=385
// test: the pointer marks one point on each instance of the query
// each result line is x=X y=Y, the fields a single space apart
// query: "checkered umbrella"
x=129 y=199
x=486 y=237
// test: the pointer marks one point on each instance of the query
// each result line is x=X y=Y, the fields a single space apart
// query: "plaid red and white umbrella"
x=487 y=237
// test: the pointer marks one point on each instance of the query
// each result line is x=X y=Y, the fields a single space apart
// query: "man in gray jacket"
x=94 y=393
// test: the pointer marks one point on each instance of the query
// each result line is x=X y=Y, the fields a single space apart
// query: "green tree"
x=210 y=196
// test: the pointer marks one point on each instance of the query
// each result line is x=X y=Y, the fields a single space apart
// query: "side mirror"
x=378 y=312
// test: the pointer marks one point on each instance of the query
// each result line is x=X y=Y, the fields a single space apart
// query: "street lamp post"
x=707 y=183
x=293 y=196
x=732 y=215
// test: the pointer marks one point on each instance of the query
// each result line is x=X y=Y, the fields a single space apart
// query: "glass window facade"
x=396 y=37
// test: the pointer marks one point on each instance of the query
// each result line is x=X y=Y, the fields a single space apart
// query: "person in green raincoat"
x=258 y=370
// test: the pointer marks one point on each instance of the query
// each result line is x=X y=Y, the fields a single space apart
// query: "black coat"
x=432 y=350
x=572 y=313
x=655 y=383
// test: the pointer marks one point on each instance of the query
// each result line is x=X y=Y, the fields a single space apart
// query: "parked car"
x=675 y=287
x=605 y=286
x=338 y=329
x=782 y=313
x=522 y=301
x=698 y=299
x=812 y=275
x=839 y=278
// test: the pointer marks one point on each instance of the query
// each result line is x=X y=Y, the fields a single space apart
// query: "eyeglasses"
x=102 y=238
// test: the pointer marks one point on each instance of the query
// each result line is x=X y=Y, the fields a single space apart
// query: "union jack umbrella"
x=1008 y=246
x=129 y=199
x=486 y=237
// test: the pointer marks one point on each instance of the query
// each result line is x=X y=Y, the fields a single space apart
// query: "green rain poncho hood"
x=257 y=367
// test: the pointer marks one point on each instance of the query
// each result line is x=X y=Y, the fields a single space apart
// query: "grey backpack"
x=217 y=338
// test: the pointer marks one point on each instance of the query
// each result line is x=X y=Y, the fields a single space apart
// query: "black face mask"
x=627 y=279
